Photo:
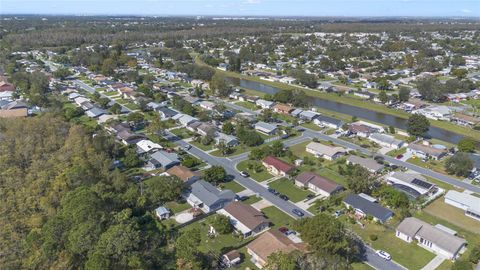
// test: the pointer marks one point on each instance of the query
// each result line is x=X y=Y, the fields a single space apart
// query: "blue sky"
x=428 y=8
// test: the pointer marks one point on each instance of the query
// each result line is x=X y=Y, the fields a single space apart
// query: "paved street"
x=92 y=90
x=314 y=134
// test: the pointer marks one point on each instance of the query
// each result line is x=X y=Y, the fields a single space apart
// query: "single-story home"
x=245 y=219
x=184 y=119
x=326 y=121
x=325 y=151
x=434 y=238
x=271 y=242
x=308 y=115
x=128 y=137
x=318 y=184
x=386 y=140
x=207 y=197
x=228 y=140
x=277 y=166
x=207 y=105
x=95 y=112
x=265 y=128
x=184 y=174
x=364 y=207
x=264 y=104
x=296 y=112
x=231 y=258
x=166 y=113
x=163 y=159
x=412 y=184
x=464 y=201
x=282 y=108
x=368 y=163
x=147 y=146
x=361 y=130
x=425 y=151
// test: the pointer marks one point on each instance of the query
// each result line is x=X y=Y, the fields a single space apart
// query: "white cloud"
x=252 y=2
x=466 y=10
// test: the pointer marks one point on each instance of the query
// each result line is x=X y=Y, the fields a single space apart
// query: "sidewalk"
x=434 y=263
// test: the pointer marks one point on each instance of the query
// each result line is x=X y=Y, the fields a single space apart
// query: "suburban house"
x=206 y=129
x=435 y=112
x=228 y=140
x=368 y=163
x=412 y=184
x=325 y=151
x=245 y=219
x=184 y=119
x=425 y=151
x=207 y=105
x=318 y=184
x=308 y=115
x=282 y=108
x=162 y=159
x=166 y=113
x=184 y=174
x=162 y=213
x=265 y=128
x=438 y=239
x=264 y=104
x=362 y=130
x=464 y=201
x=386 y=140
x=231 y=258
x=127 y=137
x=277 y=166
x=326 y=121
x=364 y=207
x=95 y=112
x=207 y=197
x=271 y=242
x=13 y=109
x=465 y=120
x=296 y=112
x=147 y=146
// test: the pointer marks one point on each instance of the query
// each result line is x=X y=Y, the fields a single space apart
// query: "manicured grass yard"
x=252 y=199
x=435 y=165
x=361 y=266
x=233 y=186
x=277 y=217
x=202 y=146
x=110 y=93
x=397 y=152
x=312 y=126
x=260 y=176
x=299 y=149
x=178 y=207
x=287 y=187
x=454 y=215
x=182 y=132
x=218 y=244
x=132 y=106
x=247 y=105
x=237 y=150
x=409 y=255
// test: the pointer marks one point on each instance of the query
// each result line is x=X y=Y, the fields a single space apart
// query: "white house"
x=386 y=140
x=325 y=151
x=436 y=239
x=464 y=201
x=245 y=219
x=264 y=104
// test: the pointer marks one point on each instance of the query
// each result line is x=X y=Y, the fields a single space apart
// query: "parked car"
x=187 y=147
x=273 y=191
x=383 y=254
x=283 y=197
x=298 y=212
x=284 y=136
x=290 y=232
x=310 y=196
x=241 y=198
x=399 y=156
x=283 y=229
x=244 y=174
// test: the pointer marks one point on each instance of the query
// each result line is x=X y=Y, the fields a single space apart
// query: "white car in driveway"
x=383 y=254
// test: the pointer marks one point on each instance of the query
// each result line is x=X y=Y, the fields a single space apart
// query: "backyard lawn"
x=247 y=105
x=454 y=215
x=287 y=187
x=409 y=255
x=178 y=207
x=233 y=186
x=182 y=132
x=277 y=217
x=260 y=176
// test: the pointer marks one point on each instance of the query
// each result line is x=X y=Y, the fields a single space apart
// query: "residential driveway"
x=434 y=263
x=261 y=204
x=183 y=217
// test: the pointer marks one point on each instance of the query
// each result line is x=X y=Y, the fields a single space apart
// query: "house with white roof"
x=264 y=104
x=386 y=140
x=325 y=151
x=464 y=201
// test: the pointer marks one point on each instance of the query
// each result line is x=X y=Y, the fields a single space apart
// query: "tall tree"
x=418 y=125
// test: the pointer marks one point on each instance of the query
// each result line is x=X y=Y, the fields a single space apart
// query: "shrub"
x=373 y=237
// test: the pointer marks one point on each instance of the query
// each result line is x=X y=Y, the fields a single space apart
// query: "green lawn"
x=110 y=93
x=287 y=187
x=182 y=132
x=219 y=244
x=131 y=106
x=361 y=266
x=248 y=105
x=397 y=152
x=435 y=165
x=299 y=149
x=233 y=186
x=409 y=255
x=260 y=176
x=252 y=199
x=202 y=146
x=277 y=217
x=237 y=150
x=454 y=215
x=312 y=126
x=177 y=207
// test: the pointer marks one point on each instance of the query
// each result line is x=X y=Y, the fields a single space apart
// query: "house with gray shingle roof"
x=207 y=197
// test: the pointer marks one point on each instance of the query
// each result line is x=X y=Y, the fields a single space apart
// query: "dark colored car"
x=283 y=229
x=310 y=196
x=399 y=156
x=298 y=212
x=273 y=191
x=283 y=197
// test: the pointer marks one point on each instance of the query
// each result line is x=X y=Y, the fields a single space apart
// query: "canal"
x=378 y=117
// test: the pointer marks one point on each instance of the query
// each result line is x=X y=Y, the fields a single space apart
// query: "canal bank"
x=360 y=112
